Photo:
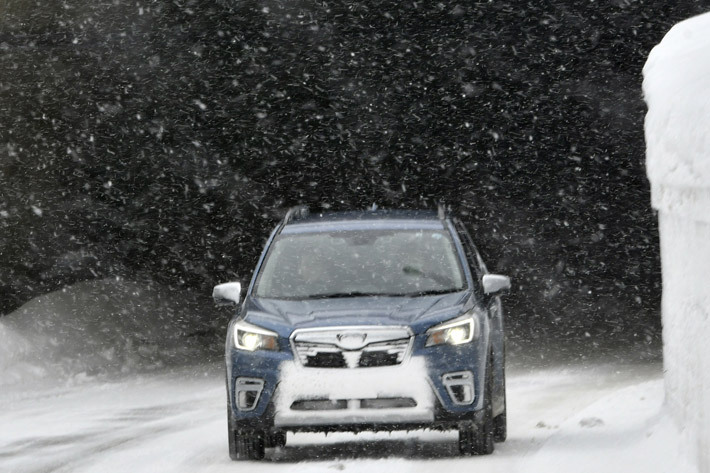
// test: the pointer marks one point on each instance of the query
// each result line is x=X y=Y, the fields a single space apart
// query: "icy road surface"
x=575 y=418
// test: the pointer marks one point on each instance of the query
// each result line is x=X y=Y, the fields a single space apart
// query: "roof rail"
x=296 y=213
x=441 y=211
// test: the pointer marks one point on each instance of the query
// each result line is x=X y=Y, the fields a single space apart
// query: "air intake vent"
x=326 y=360
x=247 y=392
x=353 y=404
x=460 y=387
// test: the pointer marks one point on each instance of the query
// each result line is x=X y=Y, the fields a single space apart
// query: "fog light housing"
x=459 y=385
x=247 y=392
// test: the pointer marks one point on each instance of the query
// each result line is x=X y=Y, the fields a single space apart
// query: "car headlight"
x=454 y=332
x=250 y=337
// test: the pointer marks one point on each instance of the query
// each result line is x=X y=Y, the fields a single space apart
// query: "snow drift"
x=677 y=90
x=108 y=326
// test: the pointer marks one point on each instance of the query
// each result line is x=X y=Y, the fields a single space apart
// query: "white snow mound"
x=677 y=91
x=676 y=87
x=628 y=430
x=107 y=326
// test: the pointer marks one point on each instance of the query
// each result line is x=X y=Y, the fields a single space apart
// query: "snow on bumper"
x=327 y=396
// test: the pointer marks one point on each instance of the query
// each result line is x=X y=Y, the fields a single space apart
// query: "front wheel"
x=244 y=445
x=500 y=427
x=276 y=439
x=500 y=422
x=500 y=432
x=250 y=446
x=477 y=439
x=231 y=437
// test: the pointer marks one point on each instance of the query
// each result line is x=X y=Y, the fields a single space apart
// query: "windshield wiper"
x=434 y=292
x=335 y=295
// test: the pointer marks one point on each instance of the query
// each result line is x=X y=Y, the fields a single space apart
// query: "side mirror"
x=494 y=284
x=227 y=293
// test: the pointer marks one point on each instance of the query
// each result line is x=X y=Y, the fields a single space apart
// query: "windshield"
x=352 y=263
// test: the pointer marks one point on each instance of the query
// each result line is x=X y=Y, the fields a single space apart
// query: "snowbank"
x=626 y=431
x=675 y=86
x=677 y=90
x=108 y=326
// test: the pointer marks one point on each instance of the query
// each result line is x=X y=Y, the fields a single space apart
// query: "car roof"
x=365 y=220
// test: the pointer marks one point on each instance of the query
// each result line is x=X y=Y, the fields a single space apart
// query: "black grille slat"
x=354 y=404
x=326 y=360
x=377 y=358
x=319 y=405
x=388 y=403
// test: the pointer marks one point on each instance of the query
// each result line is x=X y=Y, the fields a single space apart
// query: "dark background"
x=164 y=139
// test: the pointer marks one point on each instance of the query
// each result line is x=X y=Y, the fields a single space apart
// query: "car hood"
x=354 y=310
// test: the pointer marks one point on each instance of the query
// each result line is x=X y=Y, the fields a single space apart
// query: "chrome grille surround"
x=351 y=343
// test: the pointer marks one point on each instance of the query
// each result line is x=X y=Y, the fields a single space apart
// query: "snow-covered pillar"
x=677 y=91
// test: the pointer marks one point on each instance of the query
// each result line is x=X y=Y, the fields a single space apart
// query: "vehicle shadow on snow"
x=405 y=448
x=364 y=450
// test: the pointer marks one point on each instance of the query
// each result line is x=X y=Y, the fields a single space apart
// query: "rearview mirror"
x=227 y=293
x=494 y=284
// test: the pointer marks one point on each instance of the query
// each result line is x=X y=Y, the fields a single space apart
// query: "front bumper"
x=410 y=395
x=395 y=394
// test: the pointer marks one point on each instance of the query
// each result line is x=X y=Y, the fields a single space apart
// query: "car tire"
x=500 y=428
x=484 y=444
x=500 y=422
x=250 y=445
x=467 y=434
x=276 y=439
x=478 y=439
x=244 y=445
x=231 y=437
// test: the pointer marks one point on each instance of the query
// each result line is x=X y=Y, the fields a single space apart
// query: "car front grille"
x=351 y=347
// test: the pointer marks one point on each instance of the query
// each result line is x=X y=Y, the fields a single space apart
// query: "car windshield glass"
x=356 y=263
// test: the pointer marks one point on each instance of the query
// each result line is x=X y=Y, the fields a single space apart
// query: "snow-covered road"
x=604 y=417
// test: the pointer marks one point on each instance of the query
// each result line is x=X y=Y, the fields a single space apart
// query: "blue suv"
x=371 y=320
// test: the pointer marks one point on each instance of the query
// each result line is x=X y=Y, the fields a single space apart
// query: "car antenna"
x=295 y=213
x=441 y=211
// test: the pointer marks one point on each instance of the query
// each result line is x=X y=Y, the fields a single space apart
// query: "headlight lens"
x=250 y=337
x=455 y=332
